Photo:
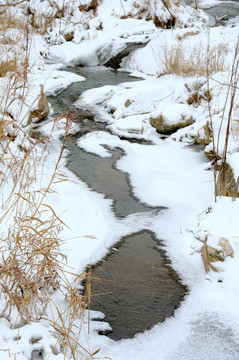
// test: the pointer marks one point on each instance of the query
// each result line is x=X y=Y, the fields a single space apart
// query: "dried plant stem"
x=232 y=88
x=211 y=122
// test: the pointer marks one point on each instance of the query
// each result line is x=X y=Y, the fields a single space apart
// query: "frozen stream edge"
x=102 y=175
x=197 y=326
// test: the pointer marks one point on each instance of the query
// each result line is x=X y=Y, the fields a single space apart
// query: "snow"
x=168 y=172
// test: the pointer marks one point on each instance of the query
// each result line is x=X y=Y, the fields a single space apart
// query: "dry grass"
x=32 y=266
x=42 y=23
x=183 y=61
x=206 y=260
x=8 y=66
x=145 y=10
x=10 y=19
x=12 y=41
x=4 y=124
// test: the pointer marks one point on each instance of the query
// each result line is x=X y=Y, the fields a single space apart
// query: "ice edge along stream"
x=143 y=289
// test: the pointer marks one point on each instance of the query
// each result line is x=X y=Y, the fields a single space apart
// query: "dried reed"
x=183 y=61
x=32 y=266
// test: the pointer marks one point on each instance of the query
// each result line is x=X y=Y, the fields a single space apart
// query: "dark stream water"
x=136 y=286
x=222 y=12
x=102 y=176
x=142 y=289
x=99 y=173
x=96 y=76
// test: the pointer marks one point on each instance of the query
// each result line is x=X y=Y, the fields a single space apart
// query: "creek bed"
x=143 y=288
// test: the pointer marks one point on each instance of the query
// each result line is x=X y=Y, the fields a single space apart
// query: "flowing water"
x=96 y=76
x=102 y=176
x=221 y=13
x=142 y=289
x=138 y=288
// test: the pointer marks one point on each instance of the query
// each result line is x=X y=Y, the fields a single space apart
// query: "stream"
x=136 y=286
x=137 y=263
x=141 y=289
x=221 y=13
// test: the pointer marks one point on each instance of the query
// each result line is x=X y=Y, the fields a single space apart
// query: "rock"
x=115 y=61
x=166 y=127
x=226 y=183
x=204 y=135
x=127 y=103
x=41 y=111
x=69 y=36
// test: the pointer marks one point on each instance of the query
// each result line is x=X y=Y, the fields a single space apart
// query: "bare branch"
x=13 y=4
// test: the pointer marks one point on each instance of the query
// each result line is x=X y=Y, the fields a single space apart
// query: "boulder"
x=127 y=103
x=163 y=126
x=69 y=36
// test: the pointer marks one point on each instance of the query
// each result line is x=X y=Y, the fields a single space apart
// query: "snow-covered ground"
x=168 y=172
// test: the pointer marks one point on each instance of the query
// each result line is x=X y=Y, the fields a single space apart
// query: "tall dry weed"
x=32 y=266
x=184 y=61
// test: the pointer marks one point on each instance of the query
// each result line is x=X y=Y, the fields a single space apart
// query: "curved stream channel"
x=143 y=289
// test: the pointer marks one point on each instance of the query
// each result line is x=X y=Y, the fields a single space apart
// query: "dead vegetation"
x=90 y=7
x=197 y=93
x=211 y=254
x=145 y=10
x=32 y=266
x=12 y=41
x=185 y=61
x=225 y=183
x=8 y=66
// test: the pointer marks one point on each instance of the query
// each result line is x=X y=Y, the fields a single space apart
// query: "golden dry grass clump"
x=182 y=60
